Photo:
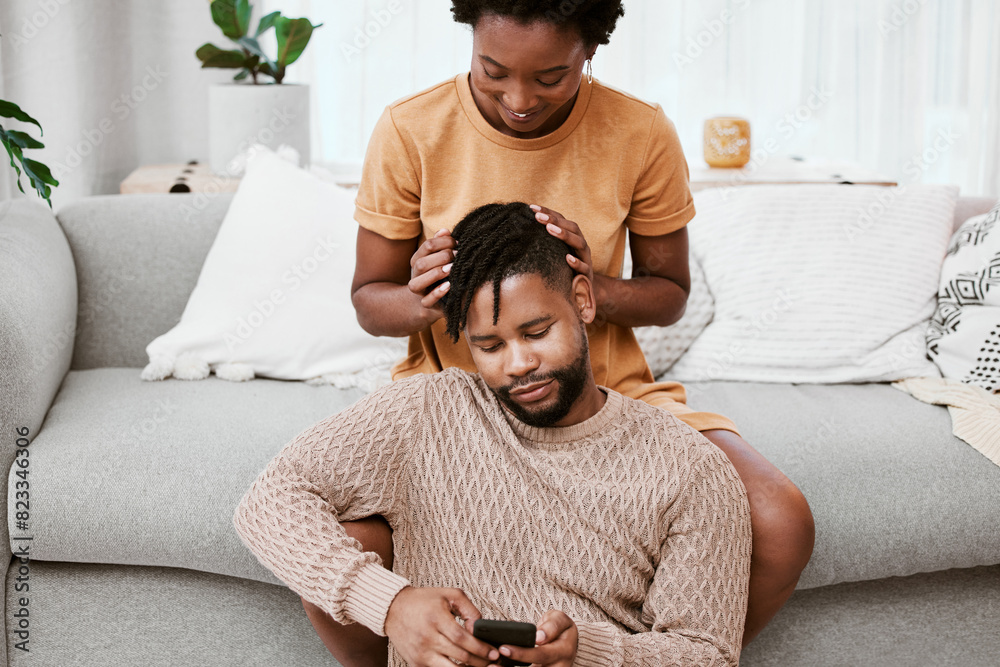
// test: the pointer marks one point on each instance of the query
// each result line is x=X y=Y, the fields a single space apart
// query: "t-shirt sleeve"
x=662 y=201
x=388 y=201
x=696 y=605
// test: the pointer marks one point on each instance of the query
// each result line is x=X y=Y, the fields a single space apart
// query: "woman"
x=526 y=124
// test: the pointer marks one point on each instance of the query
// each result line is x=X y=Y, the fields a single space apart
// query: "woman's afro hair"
x=594 y=19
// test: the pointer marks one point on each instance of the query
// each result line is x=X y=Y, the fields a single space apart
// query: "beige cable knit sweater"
x=631 y=522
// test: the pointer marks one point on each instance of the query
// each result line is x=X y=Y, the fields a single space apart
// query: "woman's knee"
x=782 y=523
x=374 y=534
x=781 y=519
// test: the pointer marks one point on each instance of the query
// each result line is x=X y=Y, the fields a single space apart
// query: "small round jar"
x=727 y=142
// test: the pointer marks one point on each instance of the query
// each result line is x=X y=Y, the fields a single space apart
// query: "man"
x=524 y=492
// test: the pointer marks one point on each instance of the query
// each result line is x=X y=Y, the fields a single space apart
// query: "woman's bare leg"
x=355 y=645
x=783 y=530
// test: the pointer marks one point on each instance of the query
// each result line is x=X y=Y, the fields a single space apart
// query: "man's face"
x=535 y=358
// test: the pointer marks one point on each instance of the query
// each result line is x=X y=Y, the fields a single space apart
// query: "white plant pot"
x=243 y=114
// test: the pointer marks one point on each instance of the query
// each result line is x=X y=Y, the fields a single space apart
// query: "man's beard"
x=571 y=381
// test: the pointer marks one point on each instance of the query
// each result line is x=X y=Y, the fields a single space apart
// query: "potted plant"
x=257 y=107
x=16 y=143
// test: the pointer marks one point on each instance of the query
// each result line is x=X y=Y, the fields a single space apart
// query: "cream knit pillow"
x=273 y=298
x=818 y=283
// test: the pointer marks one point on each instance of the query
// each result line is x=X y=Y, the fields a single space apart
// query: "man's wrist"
x=370 y=595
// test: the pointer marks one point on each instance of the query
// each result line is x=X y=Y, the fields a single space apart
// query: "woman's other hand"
x=431 y=264
x=568 y=232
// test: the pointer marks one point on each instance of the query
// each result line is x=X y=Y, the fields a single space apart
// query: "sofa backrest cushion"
x=137 y=258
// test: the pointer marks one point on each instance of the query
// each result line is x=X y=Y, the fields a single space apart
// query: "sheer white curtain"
x=876 y=82
x=910 y=88
x=115 y=85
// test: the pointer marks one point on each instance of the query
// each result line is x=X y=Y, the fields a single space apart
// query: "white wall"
x=868 y=81
x=897 y=73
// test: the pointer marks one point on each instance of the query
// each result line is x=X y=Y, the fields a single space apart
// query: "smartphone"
x=496 y=633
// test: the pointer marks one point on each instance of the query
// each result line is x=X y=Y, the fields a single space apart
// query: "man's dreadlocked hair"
x=594 y=19
x=493 y=243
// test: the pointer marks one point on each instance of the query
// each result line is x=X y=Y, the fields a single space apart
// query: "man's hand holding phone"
x=555 y=642
x=421 y=625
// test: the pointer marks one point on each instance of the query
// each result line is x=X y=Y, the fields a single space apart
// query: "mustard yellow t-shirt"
x=614 y=165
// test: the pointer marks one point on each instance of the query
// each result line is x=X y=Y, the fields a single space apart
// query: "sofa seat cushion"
x=892 y=491
x=131 y=472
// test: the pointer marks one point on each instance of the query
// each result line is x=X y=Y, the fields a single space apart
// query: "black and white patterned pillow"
x=963 y=338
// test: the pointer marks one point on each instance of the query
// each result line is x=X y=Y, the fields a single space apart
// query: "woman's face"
x=525 y=76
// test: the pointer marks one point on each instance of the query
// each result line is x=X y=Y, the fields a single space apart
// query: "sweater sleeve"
x=696 y=605
x=346 y=467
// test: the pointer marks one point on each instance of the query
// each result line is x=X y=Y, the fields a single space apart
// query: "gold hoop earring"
x=590 y=72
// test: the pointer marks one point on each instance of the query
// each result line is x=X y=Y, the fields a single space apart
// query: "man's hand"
x=556 y=642
x=421 y=625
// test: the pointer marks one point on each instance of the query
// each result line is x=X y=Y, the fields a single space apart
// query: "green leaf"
x=267 y=22
x=253 y=46
x=10 y=151
x=11 y=110
x=38 y=174
x=293 y=36
x=267 y=70
x=22 y=139
x=241 y=75
x=212 y=56
x=232 y=16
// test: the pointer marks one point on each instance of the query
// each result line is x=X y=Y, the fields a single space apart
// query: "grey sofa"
x=133 y=560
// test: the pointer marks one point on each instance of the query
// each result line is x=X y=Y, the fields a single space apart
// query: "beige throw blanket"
x=975 y=412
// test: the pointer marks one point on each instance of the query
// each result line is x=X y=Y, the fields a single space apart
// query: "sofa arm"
x=38 y=300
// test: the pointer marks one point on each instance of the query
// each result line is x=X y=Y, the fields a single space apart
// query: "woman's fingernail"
x=535 y=207
x=446 y=268
x=493 y=655
x=444 y=287
x=539 y=636
x=505 y=650
x=542 y=216
x=553 y=228
x=571 y=258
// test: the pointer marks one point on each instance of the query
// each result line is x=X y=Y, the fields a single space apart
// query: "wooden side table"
x=190 y=177
x=785 y=169
x=778 y=169
x=198 y=177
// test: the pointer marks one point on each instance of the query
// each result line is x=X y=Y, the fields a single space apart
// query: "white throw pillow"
x=663 y=346
x=963 y=338
x=824 y=283
x=273 y=298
